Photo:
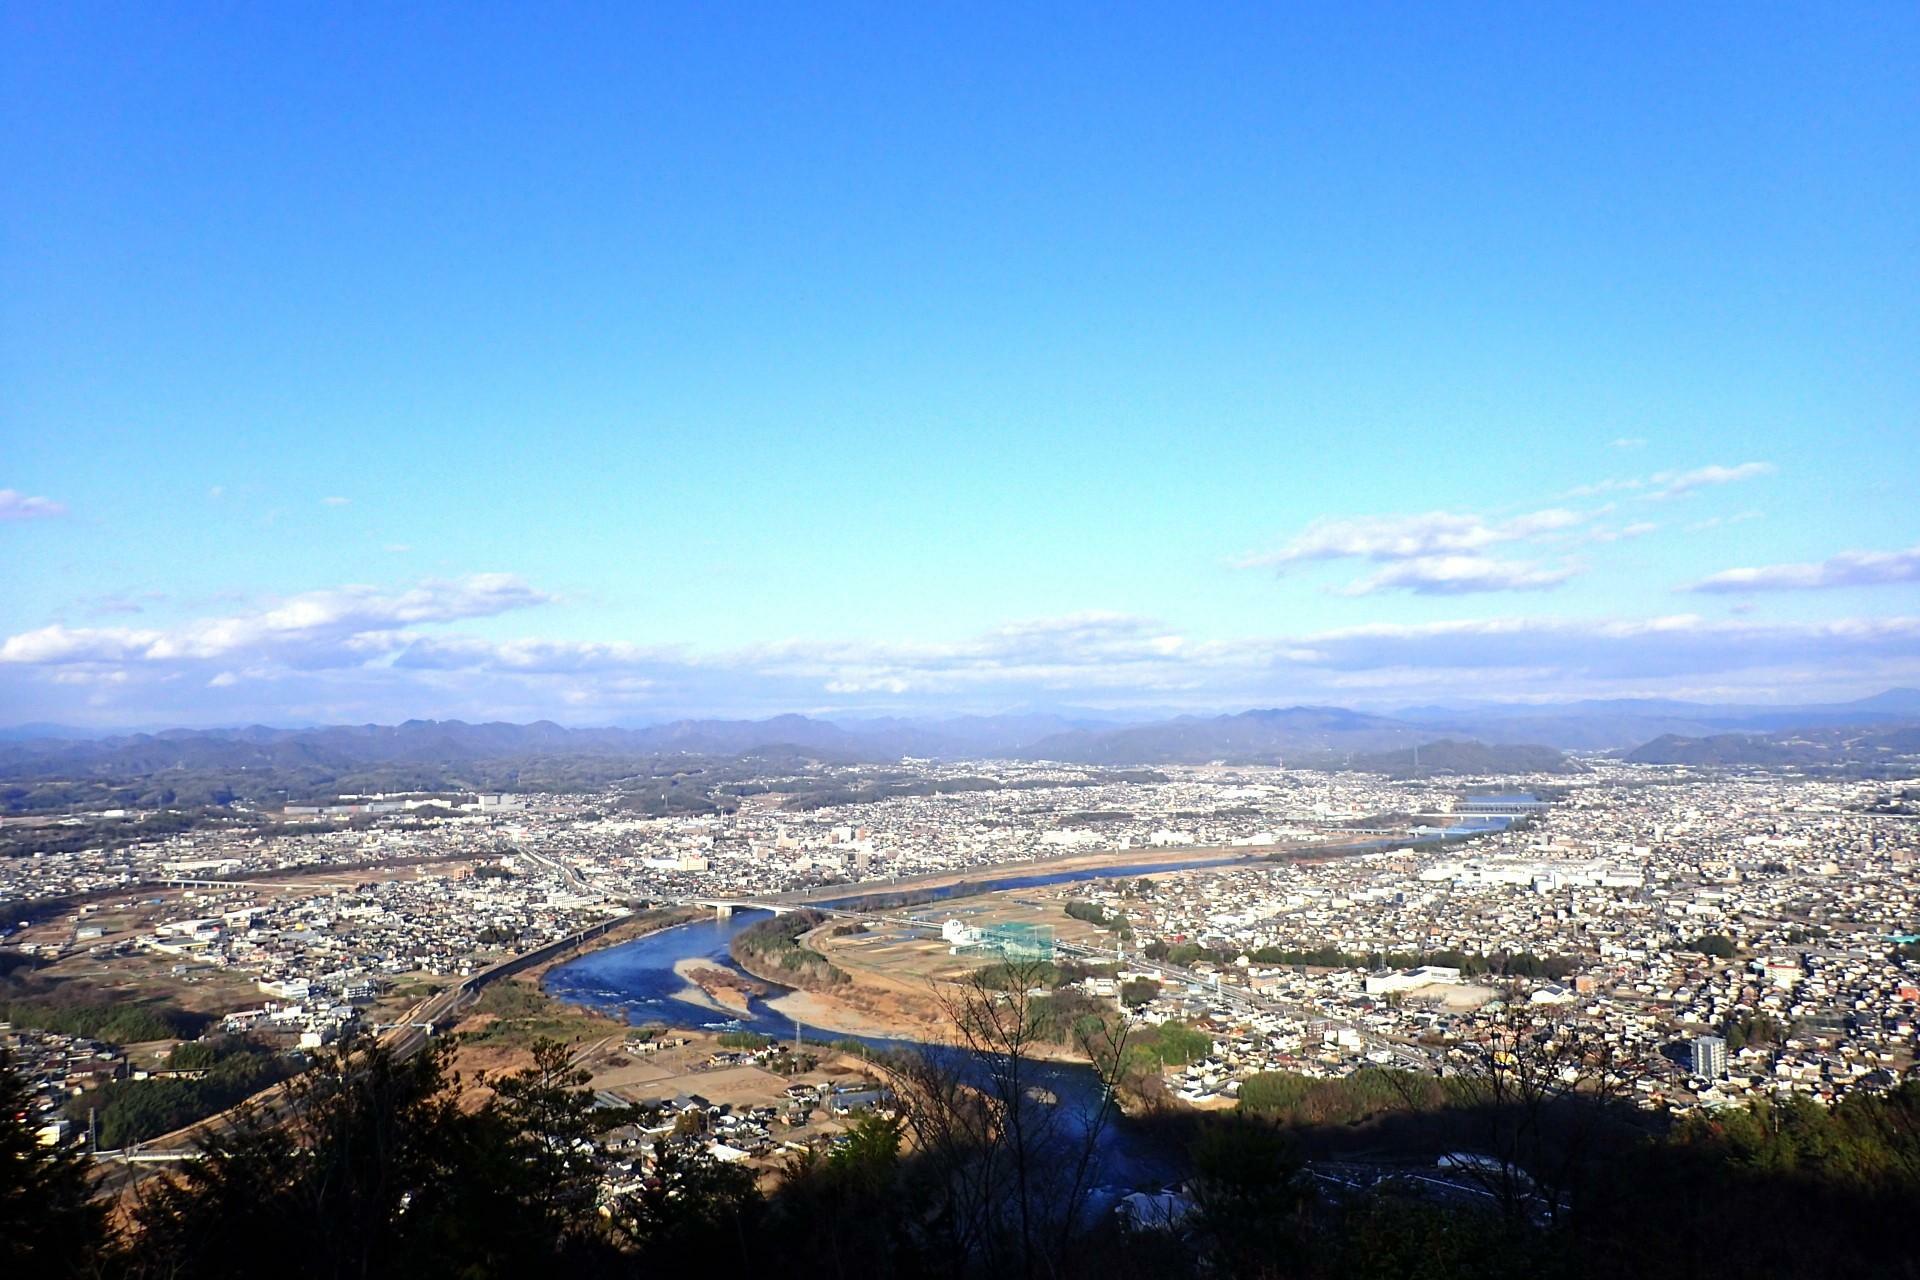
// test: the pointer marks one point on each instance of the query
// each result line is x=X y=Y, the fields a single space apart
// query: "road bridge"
x=725 y=907
x=189 y=882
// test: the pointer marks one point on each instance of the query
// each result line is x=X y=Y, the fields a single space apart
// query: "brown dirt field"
x=202 y=989
x=897 y=972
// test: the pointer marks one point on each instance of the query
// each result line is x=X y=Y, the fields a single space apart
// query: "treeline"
x=1293 y=1099
x=749 y=1040
x=112 y=1023
x=809 y=795
x=1008 y=975
x=772 y=949
x=855 y=785
x=1167 y=1044
x=648 y=784
x=1095 y=914
x=1742 y=1029
x=226 y=1072
x=1472 y=964
x=117 y=833
x=219 y=788
x=373 y=1169
x=65 y=795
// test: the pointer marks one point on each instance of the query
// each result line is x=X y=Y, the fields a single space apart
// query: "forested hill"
x=1895 y=748
x=1264 y=736
x=1722 y=749
x=1463 y=759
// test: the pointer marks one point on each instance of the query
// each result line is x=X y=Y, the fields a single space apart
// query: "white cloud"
x=1845 y=569
x=15 y=505
x=1663 y=485
x=1573 y=651
x=1720 y=522
x=1117 y=655
x=337 y=502
x=1432 y=553
x=359 y=653
x=882 y=684
x=1100 y=649
x=1407 y=537
x=1599 y=487
x=58 y=644
x=1675 y=484
x=544 y=657
x=1638 y=529
x=317 y=627
x=1628 y=442
x=1460 y=575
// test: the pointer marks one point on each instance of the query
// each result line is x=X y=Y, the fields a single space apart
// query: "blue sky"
x=609 y=365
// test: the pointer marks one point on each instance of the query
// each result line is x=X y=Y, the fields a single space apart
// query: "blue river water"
x=636 y=980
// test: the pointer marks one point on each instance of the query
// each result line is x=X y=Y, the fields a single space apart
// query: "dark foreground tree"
x=1550 y=1096
x=859 y=1208
x=1250 y=1197
x=1009 y=1167
x=49 y=1224
x=366 y=1166
x=689 y=1214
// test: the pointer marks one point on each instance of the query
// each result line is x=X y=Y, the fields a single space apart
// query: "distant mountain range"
x=1621 y=723
x=455 y=741
x=1249 y=737
x=1449 y=738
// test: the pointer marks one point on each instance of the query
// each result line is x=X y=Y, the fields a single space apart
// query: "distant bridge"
x=192 y=882
x=725 y=907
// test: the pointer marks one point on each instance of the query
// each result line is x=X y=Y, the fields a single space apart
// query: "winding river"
x=636 y=980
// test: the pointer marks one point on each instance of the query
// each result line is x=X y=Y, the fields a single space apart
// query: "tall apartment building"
x=1709 y=1057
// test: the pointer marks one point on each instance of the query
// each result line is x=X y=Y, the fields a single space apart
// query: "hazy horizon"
x=1116 y=716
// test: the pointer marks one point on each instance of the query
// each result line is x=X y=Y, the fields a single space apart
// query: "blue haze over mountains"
x=1302 y=733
